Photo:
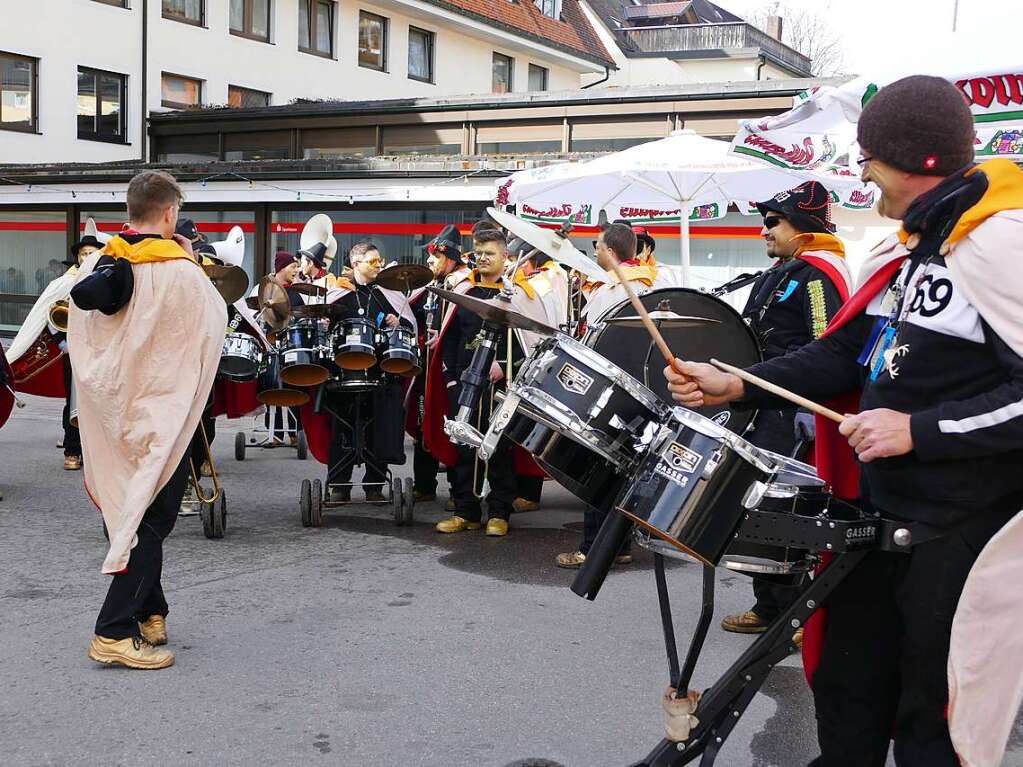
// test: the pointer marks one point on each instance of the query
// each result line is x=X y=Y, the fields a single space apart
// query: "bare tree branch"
x=809 y=32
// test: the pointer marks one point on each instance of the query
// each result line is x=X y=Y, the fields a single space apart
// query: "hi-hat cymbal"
x=405 y=277
x=664 y=319
x=495 y=311
x=308 y=289
x=230 y=281
x=319 y=310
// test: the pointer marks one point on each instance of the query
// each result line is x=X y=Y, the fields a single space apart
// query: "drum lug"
x=754 y=495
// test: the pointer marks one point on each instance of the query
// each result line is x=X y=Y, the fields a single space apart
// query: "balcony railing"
x=713 y=37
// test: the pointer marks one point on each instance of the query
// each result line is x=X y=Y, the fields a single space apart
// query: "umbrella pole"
x=683 y=232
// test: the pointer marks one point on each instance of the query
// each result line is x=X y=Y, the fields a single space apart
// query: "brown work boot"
x=497 y=527
x=72 y=463
x=745 y=623
x=797 y=638
x=521 y=504
x=154 y=630
x=456 y=524
x=134 y=652
x=206 y=469
x=573 y=560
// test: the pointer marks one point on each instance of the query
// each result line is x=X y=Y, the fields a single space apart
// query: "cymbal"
x=319 y=310
x=230 y=281
x=495 y=311
x=274 y=306
x=253 y=303
x=550 y=242
x=405 y=277
x=308 y=289
x=664 y=319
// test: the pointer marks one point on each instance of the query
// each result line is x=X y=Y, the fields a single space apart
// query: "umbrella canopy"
x=680 y=173
x=821 y=127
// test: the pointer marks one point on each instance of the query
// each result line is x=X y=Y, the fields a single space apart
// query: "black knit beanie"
x=918 y=124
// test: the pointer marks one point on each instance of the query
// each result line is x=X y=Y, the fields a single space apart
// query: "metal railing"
x=711 y=37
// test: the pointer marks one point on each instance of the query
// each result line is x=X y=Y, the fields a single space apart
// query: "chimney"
x=774 y=27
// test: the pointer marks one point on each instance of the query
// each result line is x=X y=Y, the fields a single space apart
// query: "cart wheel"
x=305 y=503
x=218 y=516
x=316 y=510
x=397 y=502
x=407 y=513
x=239 y=446
x=303 y=446
x=206 y=515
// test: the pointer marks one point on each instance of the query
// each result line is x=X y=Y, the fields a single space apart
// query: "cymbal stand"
x=473 y=379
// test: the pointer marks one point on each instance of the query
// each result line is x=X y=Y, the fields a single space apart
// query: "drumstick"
x=779 y=391
x=645 y=317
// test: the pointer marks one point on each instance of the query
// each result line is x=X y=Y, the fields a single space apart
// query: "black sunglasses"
x=770 y=222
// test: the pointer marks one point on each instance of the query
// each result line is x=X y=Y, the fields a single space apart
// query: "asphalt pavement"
x=357 y=643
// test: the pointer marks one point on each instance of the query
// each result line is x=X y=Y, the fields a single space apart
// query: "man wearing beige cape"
x=145 y=332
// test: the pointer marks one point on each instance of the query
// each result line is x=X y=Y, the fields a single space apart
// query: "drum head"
x=305 y=375
x=356 y=360
x=283 y=397
x=729 y=340
x=396 y=365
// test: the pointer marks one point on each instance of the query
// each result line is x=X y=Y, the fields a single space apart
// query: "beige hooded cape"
x=143 y=377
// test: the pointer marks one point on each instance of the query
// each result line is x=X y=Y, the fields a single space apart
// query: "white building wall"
x=94 y=34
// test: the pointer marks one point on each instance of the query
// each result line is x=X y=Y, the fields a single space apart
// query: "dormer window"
x=549 y=8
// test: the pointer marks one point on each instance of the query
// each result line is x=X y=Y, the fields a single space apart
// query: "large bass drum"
x=727 y=338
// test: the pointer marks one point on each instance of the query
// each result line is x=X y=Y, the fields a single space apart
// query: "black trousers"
x=883 y=665
x=529 y=488
x=500 y=475
x=424 y=467
x=136 y=594
x=72 y=437
x=343 y=441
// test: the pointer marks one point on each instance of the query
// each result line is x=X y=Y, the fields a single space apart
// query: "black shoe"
x=374 y=496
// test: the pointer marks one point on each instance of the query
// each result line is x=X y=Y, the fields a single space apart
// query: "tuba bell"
x=58 y=316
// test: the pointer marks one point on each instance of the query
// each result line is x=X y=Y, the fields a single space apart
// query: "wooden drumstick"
x=645 y=317
x=779 y=391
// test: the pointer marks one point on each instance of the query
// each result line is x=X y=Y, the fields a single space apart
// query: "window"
x=503 y=66
x=537 y=78
x=246 y=98
x=257 y=145
x=520 y=137
x=187 y=148
x=101 y=101
x=607 y=134
x=18 y=84
x=188 y=11
x=251 y=18
x=420 y=54
x=549 y=8
x=372 y=41
x=31 y=244
x=316 y=27
x=438 y=138
x=339 y=142
x=179 y=92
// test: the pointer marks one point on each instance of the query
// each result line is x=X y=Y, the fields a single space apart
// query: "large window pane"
x=100 y=105
x=503 y=73
x=304 y=39
x=537 y=78
x=17 y=92
x=324 y=27
x=180 y=92
x=86 y=102
x=244 y=98
x=109 y=120
x=261 y=18
x=238 y=15
x=372 y=41
x=420 y=54
x=198 y=148
x=32 y=246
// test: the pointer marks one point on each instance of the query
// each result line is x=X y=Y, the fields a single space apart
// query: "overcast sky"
x=870 y=29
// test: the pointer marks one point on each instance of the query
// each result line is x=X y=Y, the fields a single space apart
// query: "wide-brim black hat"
x=87 y=240
x=807 y=207
x=448 y=243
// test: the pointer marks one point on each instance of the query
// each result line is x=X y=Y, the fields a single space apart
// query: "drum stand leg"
x=358 y=453
x=724 y=702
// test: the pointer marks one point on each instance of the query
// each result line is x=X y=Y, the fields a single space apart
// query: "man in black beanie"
x=930 y=346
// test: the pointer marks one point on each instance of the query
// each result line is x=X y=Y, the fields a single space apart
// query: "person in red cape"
x=453 y=352
x=445 y=258
x=789 y=306
x=931 y=344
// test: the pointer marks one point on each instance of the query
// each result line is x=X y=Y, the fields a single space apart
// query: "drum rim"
x=745 y=449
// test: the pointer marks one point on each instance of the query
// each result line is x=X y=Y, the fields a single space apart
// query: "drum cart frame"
x=314 y=495
x=244 y=440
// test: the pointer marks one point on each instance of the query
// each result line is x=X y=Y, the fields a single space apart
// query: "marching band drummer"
x=287 y=269
x=929 y=352
x=385 y=309
x=139 y=287
x=456 y=345
x=789 y=306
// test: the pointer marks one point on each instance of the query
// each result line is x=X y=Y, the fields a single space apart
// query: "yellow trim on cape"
x=643 y=273
x=821 y=241
x=520 y=280
x=149 y=251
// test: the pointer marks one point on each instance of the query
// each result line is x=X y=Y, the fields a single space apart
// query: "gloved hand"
x=805 y=426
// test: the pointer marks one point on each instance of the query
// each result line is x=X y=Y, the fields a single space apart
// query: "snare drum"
x=240 y=357
x=796 y=489
x=300 y=345
x=585 y=420
x=354 y=344
x=357 y=380
x=399 y=352
x=270 y=387
x=694 y=485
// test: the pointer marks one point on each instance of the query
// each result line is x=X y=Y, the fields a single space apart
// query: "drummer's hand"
x=496 y=372
x=880 y=433
x=391 y=320
x=702 y=384
x=184 y=242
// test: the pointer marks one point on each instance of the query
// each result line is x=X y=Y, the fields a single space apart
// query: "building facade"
x=80 y=87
